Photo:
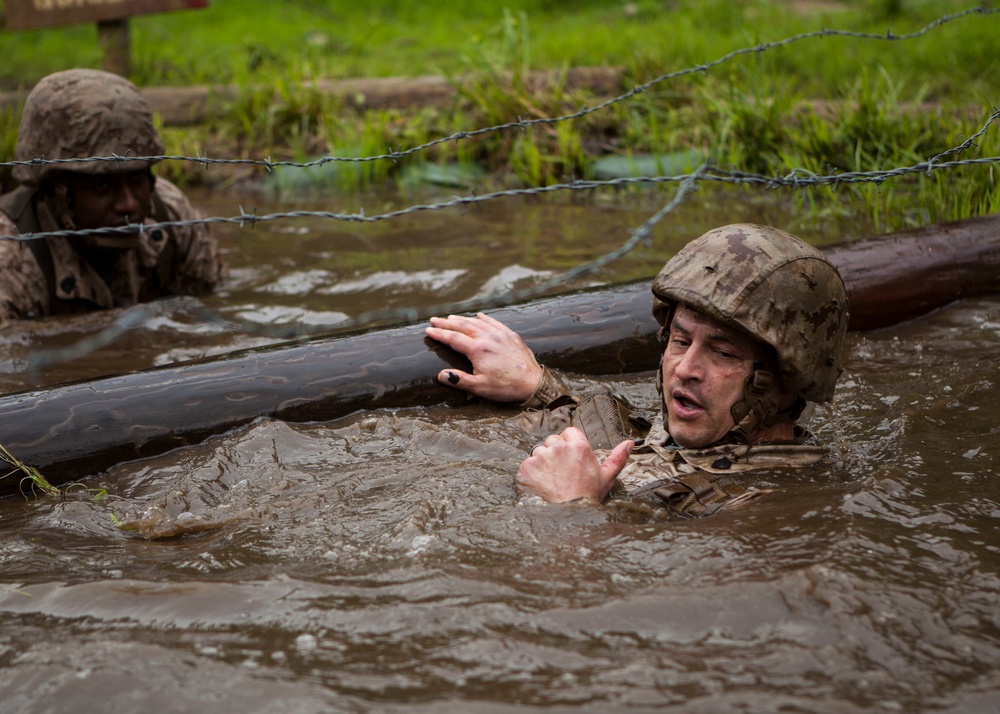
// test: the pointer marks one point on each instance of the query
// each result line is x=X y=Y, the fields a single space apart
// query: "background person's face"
x=705 y=365
x=109 y=201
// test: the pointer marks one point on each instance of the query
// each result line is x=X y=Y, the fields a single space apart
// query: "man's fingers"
x=452 y=324
x=459 y=323
x=573 y=435
x=462 y=334
x=456 y=378
x=491 y=321
x=503 y=368
x=566 y=468
x=478 y=327
x=458 y=341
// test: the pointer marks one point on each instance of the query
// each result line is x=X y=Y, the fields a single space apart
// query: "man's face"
x=109 y=201
x=705 y=365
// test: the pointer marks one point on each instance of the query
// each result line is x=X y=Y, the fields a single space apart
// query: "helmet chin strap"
x=758 y=410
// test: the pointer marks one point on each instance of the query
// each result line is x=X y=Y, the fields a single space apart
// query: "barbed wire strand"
x=523 y=124
x=797 y=178
x=137 y=315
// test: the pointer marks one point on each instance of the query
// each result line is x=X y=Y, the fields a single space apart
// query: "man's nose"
x=690 y=365
x=126 y=203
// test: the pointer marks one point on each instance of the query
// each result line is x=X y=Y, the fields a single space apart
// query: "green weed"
x=33 y=482
x=30 y=477
x=826 y=105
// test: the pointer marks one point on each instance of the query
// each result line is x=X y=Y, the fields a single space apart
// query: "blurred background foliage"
x=822 y=105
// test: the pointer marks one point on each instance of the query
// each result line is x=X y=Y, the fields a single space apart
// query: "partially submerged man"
x=752 y=324
x=78 y=114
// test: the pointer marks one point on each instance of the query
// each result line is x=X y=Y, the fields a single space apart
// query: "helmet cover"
x=81 y=113
x=770 y=285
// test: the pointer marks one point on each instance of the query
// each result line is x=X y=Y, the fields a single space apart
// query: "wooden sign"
x=28 y=14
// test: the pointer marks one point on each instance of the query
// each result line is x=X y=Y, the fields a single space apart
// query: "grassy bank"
x=882 y=104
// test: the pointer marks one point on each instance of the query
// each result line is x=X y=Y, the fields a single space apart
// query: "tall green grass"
x=834 y=104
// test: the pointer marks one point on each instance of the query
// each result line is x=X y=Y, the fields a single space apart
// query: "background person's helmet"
x=81 y=113
x=770 y=285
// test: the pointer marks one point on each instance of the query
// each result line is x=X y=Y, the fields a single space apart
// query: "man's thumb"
x=617 y=459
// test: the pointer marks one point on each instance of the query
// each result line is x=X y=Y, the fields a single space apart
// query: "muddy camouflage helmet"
x=771 y=285
x=80 y=113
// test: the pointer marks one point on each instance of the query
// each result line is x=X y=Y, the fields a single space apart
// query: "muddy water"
x=384 y=562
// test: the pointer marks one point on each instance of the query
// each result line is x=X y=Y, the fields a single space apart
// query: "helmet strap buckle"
x=757 y=409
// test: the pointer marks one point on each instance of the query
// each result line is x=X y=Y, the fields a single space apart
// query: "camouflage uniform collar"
x=698 y=482
x=732 y=457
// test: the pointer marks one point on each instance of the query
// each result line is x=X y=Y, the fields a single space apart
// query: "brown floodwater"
x=383 y=562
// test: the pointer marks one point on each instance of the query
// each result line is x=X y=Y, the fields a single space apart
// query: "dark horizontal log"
x=74 y=430
x=903 y=275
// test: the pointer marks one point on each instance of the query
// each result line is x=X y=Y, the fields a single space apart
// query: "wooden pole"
x=113 y=36
x=71 y=431
x=182 y=106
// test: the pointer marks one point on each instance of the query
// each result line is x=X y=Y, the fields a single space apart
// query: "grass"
x=221 y=43
x=32 y=481
x=831 y=104
x=30 y=476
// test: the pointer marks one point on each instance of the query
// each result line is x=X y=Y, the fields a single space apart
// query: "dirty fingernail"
x=452 y=378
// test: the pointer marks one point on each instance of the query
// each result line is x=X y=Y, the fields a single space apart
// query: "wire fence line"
x=136 y=316
x=523 y=124
x=796 y=179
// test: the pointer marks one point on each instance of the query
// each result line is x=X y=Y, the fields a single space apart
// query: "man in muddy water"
x=752 y=323
x=84 y=113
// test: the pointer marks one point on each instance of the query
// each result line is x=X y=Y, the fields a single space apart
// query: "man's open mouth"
x=685 y=401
